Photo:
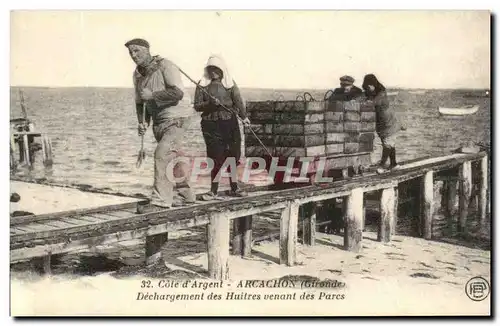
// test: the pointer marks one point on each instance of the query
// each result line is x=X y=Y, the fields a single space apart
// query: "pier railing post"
x=154 y=245
x=387 y=216
x=483 y=195
x=353 y=234
x=309 y=224
x=288 y=234
x=218 y=247
x=464 y=195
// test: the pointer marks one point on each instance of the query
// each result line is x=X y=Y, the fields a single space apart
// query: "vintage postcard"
x=250 y=163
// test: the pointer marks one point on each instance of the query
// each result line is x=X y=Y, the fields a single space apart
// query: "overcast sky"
x=273 y=49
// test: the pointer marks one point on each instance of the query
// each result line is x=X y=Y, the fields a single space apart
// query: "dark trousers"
x=223 y=140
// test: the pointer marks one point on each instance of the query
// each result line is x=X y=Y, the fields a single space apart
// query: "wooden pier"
x=80 y=230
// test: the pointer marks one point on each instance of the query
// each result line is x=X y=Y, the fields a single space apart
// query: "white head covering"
x=217 y=61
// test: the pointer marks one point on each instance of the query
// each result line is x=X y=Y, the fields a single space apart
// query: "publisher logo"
x=477 y=288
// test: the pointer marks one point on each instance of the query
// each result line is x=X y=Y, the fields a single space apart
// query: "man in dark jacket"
x=347 y=91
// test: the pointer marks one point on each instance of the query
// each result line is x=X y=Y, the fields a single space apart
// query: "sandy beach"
x=41 y=199
x=409 y=276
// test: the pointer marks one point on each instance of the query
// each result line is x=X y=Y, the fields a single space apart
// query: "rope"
x=225 y=108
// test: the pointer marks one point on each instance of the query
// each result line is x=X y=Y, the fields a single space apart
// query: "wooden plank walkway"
x=48 y=234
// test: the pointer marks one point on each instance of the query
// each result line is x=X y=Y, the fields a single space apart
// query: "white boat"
x=464 y=110
x=392 y=93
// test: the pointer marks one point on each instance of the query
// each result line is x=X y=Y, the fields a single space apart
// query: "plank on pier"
x=464 y=194
x=218 y=247
x=288 y=233
x=354 y=215
x=387 y=214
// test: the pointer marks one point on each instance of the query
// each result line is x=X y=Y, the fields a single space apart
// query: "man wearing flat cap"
x=347 y=91
x=159 y=91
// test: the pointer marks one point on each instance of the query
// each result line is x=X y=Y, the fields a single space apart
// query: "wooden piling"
x=47 y=264
x=237 y=241
x=465 y=190
x=247 y=235
x=309 y=224
x=26 y=148
x=154 y=245
x=218 y=247
x=353 y=217
x=451 y=200
x=483 y=184
x=288 y=234
x=387 y=214
x=427 y=187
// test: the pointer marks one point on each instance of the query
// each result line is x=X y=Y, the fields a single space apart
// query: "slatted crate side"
x=366 y=142
x=259 y=106
x=351 y=148
x=367 y=127
x=309 y=151
x=334 y=116
x=336 y=137
x=352 y=116
x=334 y=127
x=368 y=116
x=334 y=106
x=352 y=106
x=286 y=106
x=367 y=106
x=299 y=129
x=352 y=127
x=285 y=117
x=288 y=140
x=258 y=129
x=257 y=151
x=334 y=148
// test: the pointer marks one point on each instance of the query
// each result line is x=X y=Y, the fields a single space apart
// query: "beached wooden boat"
x=464 y=110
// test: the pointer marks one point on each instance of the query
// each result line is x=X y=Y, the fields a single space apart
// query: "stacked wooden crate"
x=310 y=128
x=349 y=127
x=286 y=128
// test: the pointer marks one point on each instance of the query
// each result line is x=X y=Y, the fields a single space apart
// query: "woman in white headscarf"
x=220 y=126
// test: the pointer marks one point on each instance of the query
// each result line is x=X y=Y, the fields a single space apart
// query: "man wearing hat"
x=347 y=91
x=159 y=90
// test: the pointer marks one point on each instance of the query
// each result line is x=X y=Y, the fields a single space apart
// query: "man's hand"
x=146 y=94
x=246 y=122
x=141 y=129
x=214 y=101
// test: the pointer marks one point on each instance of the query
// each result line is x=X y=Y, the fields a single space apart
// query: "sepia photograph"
x=250 y=163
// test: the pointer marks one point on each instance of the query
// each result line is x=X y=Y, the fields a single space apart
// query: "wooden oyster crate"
x=342 y=132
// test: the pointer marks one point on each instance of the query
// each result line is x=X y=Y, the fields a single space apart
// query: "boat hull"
x=459 y=111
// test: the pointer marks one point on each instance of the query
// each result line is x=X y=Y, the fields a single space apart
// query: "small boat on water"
x=464 y=110
x=392 y=93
